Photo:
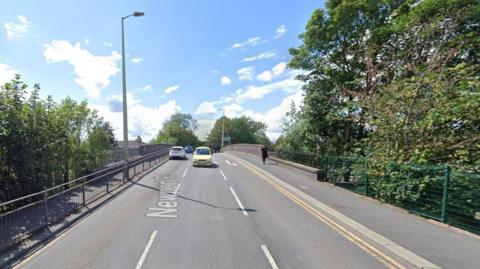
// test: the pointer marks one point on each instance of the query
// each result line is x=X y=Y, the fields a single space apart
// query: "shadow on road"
x=215 y=206
x=145 y=186
x=213 y=166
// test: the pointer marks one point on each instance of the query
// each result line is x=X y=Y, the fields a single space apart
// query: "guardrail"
x=436 y=191
x=26 y=215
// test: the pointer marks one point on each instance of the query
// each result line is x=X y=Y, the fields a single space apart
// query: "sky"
x=188 y=56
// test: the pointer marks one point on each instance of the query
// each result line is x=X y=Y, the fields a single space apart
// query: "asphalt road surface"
x=228 y=216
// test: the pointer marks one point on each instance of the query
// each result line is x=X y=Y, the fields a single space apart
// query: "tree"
x=337 y=59
x=138 y=139
x=391 y=80
x=241 y=130
x=43 y=143
x=178 y=130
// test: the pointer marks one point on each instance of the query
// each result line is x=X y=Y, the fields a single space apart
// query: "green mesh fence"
x=433 y=191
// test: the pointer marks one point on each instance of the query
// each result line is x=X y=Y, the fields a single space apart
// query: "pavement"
x=243 y=214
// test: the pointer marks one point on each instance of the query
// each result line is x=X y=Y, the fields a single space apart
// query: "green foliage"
x=179 y=130
x=43 y=143
x=394 y=88
x=396 y=81
x=241 y=130
x=138 y=139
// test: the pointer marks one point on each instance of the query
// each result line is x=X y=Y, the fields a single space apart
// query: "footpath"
x=446 y=246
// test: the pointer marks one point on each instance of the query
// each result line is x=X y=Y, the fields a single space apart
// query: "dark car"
x=188 y=149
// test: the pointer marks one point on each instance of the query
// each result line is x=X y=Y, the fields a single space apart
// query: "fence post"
x=446 y=184
x=366 y=179
x=325 y=169
x=83 y=192
x=45 y=207
x=106 y=183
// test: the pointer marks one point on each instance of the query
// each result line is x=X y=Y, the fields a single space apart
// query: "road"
x=230 y=216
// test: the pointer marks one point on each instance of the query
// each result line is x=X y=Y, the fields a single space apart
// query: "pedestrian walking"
x=264 y=153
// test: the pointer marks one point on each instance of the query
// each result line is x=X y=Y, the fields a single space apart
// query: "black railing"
x=25 y=215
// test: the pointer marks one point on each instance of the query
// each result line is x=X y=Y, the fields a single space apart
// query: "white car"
x=176 y=152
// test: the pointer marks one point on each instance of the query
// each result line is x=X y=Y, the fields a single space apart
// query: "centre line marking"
x=145 y=252
x=228 y=162
x=269 y=257
x=223 y=175
x=184 y=173
x=238 y=202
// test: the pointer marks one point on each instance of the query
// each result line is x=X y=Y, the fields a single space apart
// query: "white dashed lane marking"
x=145 y=251
x=223 y=175
x=238 y=202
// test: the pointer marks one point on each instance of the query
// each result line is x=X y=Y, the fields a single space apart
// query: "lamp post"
x=223 y=125
x=124 y=85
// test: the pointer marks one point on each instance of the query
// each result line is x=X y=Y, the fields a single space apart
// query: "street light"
x=223 y=125
x=124 y=85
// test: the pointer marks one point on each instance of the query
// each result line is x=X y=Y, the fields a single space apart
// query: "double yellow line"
x=379 y=255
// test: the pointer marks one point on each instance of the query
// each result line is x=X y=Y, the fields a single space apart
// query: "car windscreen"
x=202 y=152
x=176 y=149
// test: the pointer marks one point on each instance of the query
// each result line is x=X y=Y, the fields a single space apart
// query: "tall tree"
x=337 y=63
x=43 y=143
x=240 y=130
x=393 y=80
x=179 y=130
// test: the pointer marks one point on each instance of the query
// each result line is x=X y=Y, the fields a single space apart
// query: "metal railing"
x=23 y=216
x=435 y=191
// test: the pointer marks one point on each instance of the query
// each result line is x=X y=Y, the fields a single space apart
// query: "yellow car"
x=202 y=156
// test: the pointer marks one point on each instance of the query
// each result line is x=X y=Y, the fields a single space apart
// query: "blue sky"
x=182 y=56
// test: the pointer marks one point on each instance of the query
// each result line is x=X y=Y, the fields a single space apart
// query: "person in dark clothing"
x=264 y=153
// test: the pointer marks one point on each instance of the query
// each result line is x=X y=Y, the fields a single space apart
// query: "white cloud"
x=225 y=80
x=23 y=19
x=205 y=108
x=139 y=123
x=265 y=76
x=93 y=73
x=246 y=73
x=7 y=73
x=253 y=41
x=279 y=68
x=107 y=44
x=258 y=92
x=280 y=31
x=171 y=89
x=233 y=110
x=137 y=60
x=86 y=41
x=214 y=71
x=204 y=127
x=264 y=55
x=13 y=30
x=146 y=88
x=288 y=85
x=276 y=71
x=274 y=117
